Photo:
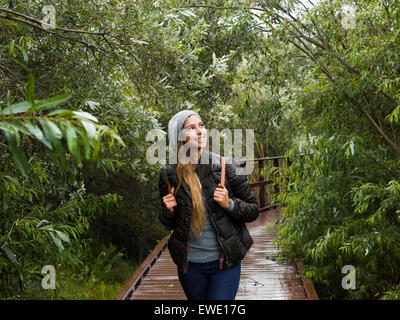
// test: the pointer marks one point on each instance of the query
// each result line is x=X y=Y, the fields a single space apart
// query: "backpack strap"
x=169 y=187
x=222 y=171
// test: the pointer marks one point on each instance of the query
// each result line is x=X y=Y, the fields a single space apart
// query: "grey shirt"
x=205 y=247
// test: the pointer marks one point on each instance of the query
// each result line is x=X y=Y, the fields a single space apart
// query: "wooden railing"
x=266 y=194
x=269 y=188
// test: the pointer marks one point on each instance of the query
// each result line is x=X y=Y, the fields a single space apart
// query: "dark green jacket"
x=232 y=234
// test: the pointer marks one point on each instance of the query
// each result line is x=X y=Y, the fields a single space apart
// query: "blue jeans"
x=205 y=281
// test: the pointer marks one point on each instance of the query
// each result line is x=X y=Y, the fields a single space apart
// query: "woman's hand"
x=221 y=196
x=170 y=201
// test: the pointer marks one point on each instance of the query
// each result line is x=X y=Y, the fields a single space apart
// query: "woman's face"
x=195 y=131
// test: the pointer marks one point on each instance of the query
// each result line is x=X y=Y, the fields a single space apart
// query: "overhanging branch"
x=36 y=23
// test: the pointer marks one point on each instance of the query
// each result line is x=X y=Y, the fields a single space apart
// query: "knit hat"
x=175 y=127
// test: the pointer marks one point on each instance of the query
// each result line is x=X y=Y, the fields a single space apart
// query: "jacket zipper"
x=221 y=259
x=218 y=237
x=187 y=252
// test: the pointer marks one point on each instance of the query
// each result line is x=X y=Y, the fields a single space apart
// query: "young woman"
x=210 y=238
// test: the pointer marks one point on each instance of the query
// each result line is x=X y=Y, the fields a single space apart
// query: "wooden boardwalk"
x=262 y=278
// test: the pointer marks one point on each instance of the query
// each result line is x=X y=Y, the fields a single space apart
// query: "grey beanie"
x=175 y=126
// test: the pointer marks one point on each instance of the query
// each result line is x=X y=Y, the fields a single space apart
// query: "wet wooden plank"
x=262 y=278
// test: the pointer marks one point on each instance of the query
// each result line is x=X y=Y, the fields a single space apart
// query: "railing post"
x=276 y=187
x=261 y=194
x=286 y=179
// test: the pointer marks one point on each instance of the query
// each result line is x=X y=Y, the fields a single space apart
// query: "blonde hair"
x=186 y=171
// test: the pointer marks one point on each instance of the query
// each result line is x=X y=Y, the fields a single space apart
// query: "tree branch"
x=353 y=101
x=48 y=31
x=35 y=21
x=389 y=141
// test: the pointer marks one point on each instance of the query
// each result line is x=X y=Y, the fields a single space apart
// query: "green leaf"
x=11 y=50
x=48 y=227
x=15 y=126
x=63 y=236
x=50 y=103
x=62 y=113
x=92 y=104
x=51 y=129
x=57 y=241
x=10 y=254
x=13 y=180
x=35 y=131
x=90 y=129
x=54 y=135
x=139 y=41
x=72 y=139
x=85 y=115
x=3 y=241
x=41 y=222
x=187 y=13
x=16 y=108
x=394 y=116
x=86 y=143
x=30 y=90
x=39 y=105
x=18 y=155
x=24 y=55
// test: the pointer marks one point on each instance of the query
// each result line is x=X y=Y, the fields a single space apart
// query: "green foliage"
x=333 y=218
x=34 y=230
x=78 y=128
x=99 y=274
x=331 y=90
